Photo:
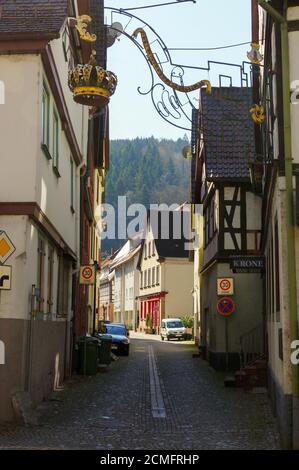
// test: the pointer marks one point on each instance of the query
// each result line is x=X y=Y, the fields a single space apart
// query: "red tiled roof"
x=32 y=16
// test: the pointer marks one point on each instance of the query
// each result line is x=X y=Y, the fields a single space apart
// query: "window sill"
x=56 y=171
x=46 y=151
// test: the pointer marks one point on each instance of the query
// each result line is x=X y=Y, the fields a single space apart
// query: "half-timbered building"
x=223 y=146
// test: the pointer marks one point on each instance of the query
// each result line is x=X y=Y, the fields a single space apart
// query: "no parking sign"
x=226 y=306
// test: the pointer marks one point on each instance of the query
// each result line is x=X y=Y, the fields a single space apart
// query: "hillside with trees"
x=147 y=171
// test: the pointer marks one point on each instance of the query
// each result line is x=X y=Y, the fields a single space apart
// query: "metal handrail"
x=252 y=345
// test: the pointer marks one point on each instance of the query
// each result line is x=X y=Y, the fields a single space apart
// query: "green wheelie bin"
x=88 y=355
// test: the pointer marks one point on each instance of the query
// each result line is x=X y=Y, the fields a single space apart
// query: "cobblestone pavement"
x=114 y=410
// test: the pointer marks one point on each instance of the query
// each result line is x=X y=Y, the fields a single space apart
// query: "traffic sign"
x=87 y=274
x=7 y=247
x=5 y=277
x=225 y=286
x=226 y=306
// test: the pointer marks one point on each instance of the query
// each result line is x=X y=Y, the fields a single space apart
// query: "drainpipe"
x=290 y=216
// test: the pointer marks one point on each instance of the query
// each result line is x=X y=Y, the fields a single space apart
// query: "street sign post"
x=225 y=286
x=226 y=306
x=87 y=274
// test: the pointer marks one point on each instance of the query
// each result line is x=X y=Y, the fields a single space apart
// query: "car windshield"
x=115 y=330
x=174 y=324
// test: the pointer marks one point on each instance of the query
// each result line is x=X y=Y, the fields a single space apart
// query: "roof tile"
x=32 y=16
x=228 y=132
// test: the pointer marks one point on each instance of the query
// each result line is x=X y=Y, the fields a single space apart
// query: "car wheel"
x=162 y=337
x=168 y=338
x=126 y=351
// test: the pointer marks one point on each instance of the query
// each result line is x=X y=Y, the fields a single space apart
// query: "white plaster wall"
x=19 y=132
x=117 y=290
x=178 y=278
x=129 y=285
x=78 y=113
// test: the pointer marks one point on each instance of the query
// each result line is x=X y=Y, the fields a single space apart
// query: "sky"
x=205 y=24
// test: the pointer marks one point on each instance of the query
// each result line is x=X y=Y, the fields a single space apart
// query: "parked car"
x=173 y=328
x=120 y=340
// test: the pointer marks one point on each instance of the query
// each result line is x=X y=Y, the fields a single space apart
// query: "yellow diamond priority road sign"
x=7 y=247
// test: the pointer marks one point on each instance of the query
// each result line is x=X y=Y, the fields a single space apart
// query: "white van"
x=173 y=328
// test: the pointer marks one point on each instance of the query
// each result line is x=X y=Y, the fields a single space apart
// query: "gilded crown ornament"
x=81 y=26
x=90 y=84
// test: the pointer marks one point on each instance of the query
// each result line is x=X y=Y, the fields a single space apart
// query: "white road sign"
x=225 y=286
x=87 y=274
x=5 y=277
x=7 y=247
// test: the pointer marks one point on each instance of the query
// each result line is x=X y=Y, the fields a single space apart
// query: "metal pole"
x=226 y=344
x=290 y=216
x=94 y=298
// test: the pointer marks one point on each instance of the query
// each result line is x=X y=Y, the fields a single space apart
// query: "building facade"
x=273 y=138
x=56 y=152
x=43 y=147
x=126 y=284
x=107 y=279
x=166 y=273
x=231 y=225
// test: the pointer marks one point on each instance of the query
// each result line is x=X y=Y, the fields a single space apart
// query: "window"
x=149 y=249
x=65 y=44
x=141 y=280
x=149 y=278
x=153 y=276
x=158 y=275
x=50 y=278
x=55 y=147
x=98 y=189
x=145 y=279
x=72 y=186
x=153 y=252
x=40 y=274
x=63 y=287
x=45 y=121
x=145 y=251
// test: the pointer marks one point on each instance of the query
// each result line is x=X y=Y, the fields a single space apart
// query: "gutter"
x=290 y=215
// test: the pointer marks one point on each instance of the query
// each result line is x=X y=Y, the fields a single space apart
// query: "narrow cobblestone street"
x=157 y=398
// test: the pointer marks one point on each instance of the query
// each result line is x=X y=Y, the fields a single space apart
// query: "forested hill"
x=147 y=171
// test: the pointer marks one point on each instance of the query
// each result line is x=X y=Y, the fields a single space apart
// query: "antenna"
x=113 y=32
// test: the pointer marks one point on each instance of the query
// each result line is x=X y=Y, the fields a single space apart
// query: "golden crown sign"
x=90 y=84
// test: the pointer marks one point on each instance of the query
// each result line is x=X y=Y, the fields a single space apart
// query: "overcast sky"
x=206 y=24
